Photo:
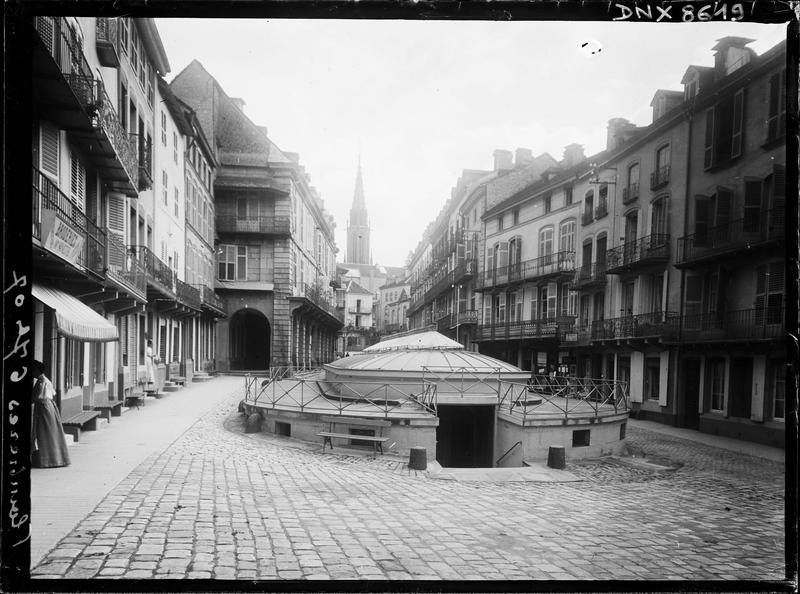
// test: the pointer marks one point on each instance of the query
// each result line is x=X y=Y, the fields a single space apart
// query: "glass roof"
x=422 y=340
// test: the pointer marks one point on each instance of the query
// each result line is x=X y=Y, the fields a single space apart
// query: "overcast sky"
x=423 y=100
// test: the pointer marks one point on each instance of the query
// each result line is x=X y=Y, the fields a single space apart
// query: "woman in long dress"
x=148 y=361
x=48 y=445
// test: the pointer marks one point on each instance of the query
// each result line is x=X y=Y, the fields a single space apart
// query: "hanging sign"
x=60 y=238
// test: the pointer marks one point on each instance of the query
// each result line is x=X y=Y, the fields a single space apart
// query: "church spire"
x=358 y=249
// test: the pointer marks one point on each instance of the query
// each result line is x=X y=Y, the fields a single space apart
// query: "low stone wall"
x=604 y=439
x=403 y=433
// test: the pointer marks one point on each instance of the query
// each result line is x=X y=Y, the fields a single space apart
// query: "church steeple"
x=358 y=250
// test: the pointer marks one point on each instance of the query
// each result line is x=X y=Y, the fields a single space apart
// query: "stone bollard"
x=555 y=457
x=418 y=460
x=253 y=423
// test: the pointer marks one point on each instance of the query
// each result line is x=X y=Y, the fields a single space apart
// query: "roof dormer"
x=731 y=54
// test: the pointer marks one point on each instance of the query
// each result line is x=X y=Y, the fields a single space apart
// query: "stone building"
x=276 y=250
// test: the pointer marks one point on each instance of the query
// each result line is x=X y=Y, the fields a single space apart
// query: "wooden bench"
x=111 y=408
x=376 y=440
x=86 y=420
x=135 y=399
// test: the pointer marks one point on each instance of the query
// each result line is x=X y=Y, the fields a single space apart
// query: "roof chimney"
x=616 y=132
x=503 y=160
x=573 y=154
x=523 y=157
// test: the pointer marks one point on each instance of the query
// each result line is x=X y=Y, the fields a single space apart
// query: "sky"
x=420 y=101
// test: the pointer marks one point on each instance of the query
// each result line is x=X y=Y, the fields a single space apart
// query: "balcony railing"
x=106 y=34
x=590 y=275
x=587 y=217
x=577 y=335
x=322 y=298
x=145 y=147
x=158 y=274
x=52 y=209
x=209 y=298
x=253 y=224
x=123 y=267
x=630 y=193
x=743 y=324
x=657 y=324
x=632 y=254
x=551 y=328
x=601 y=210
x=88 y=92
x=187 y=294
x=733 y=238
x=660 y=177
x=543 y=266
x=469 y=316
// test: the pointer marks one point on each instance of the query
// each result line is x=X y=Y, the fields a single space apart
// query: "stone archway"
x=250 y=338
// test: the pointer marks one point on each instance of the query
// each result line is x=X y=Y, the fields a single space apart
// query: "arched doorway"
x=249 y=340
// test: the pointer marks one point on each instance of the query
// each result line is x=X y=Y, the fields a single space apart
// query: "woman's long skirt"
x=48 y=447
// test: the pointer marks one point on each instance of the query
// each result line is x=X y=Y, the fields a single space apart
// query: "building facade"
x=276 y=250
x=393 y=302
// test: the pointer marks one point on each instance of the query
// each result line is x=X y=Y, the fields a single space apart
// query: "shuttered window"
x=738 y=124
x=751 y=214
x=776 y=116
x=77 y=182
x=700 y=220
x=49 y=150
x=694 y=301
x=769 y=293
x=708 y=145
x=722 y=215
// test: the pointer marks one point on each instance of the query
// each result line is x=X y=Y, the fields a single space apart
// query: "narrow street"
x=177 y=490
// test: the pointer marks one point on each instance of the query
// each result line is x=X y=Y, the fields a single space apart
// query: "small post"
x=556 y=457
x=418 y=458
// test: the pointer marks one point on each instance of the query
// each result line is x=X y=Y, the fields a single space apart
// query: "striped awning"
x=73 y=318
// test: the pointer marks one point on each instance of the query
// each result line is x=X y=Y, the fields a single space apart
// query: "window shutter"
x=77 y=182
x=738 y=124
x=761 y=293
x=502 y=255
x=778 y=192
x=722 y=217
x=774 y=106
x=49 y=150
x=535 y=304
x=700 y=220
x=708 y=151
x=47 y=31
x=552 y=294
x=460 y=252
x=694 y=301
x=751 y=214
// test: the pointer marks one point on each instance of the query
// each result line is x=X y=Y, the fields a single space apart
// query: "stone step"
x=171 y=387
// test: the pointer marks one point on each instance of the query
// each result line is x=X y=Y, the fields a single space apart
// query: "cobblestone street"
x=218 y=503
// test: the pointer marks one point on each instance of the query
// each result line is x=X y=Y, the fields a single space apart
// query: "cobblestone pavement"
x=221 y=504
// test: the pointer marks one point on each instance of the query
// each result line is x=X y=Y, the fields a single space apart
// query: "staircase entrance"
x=465 y=436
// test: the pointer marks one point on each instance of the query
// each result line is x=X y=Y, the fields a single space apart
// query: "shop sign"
x=60 y=238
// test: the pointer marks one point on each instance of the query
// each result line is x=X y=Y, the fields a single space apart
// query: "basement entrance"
x=249 y=340
x=465 y=436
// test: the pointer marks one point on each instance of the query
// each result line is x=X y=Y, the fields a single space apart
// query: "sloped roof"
x=354 y=288
x=423 y=340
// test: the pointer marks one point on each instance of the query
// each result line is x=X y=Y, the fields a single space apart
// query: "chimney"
x=573 y=154
x=616 y=132
x=503 y=160
x=238 y=102
x=523 y=157
x=731 y=54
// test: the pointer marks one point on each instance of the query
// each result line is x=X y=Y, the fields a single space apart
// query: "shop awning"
x=73 y=318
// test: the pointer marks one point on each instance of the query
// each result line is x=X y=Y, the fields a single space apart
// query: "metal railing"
x=107 y=39
x=267 y=225
x=743 y=324
x=560 y=262
x=601 y=210
x=587 y=217
x=125 y=145
x=650 y=249
x=590 y=274
x=145 y=147
x=123 y=267
x=48 y=197
x=768 y=226
x=162 y=275
x=654 y=324
x=310 y=392
x=660 y=177
x=630 y=193
x=552 y=327
x=187 y=294
x=210 y=298
x=545 y=396
x=322 y=298
x=507 y=452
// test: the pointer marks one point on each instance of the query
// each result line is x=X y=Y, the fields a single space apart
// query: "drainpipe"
x=678 y=365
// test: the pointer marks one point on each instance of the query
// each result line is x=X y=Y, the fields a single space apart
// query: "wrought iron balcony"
x=660 y=177
x=123 y=268
x=63 y=229
x=210 y=299
x=653 y=249
x=159 y=275
x=738 y=325
x=187 y=294
x=265 y=225
x=657 y=324
x=107 y=39
x=545 y=328
x=590 y=275
x=587 y=217
x=601 y=210
x=322 y=298
x=630 y=193
x=577 y=335
x=733 y=239
x=551 y=265
x=466 y=317
x=81 y=104
x=145 y=148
